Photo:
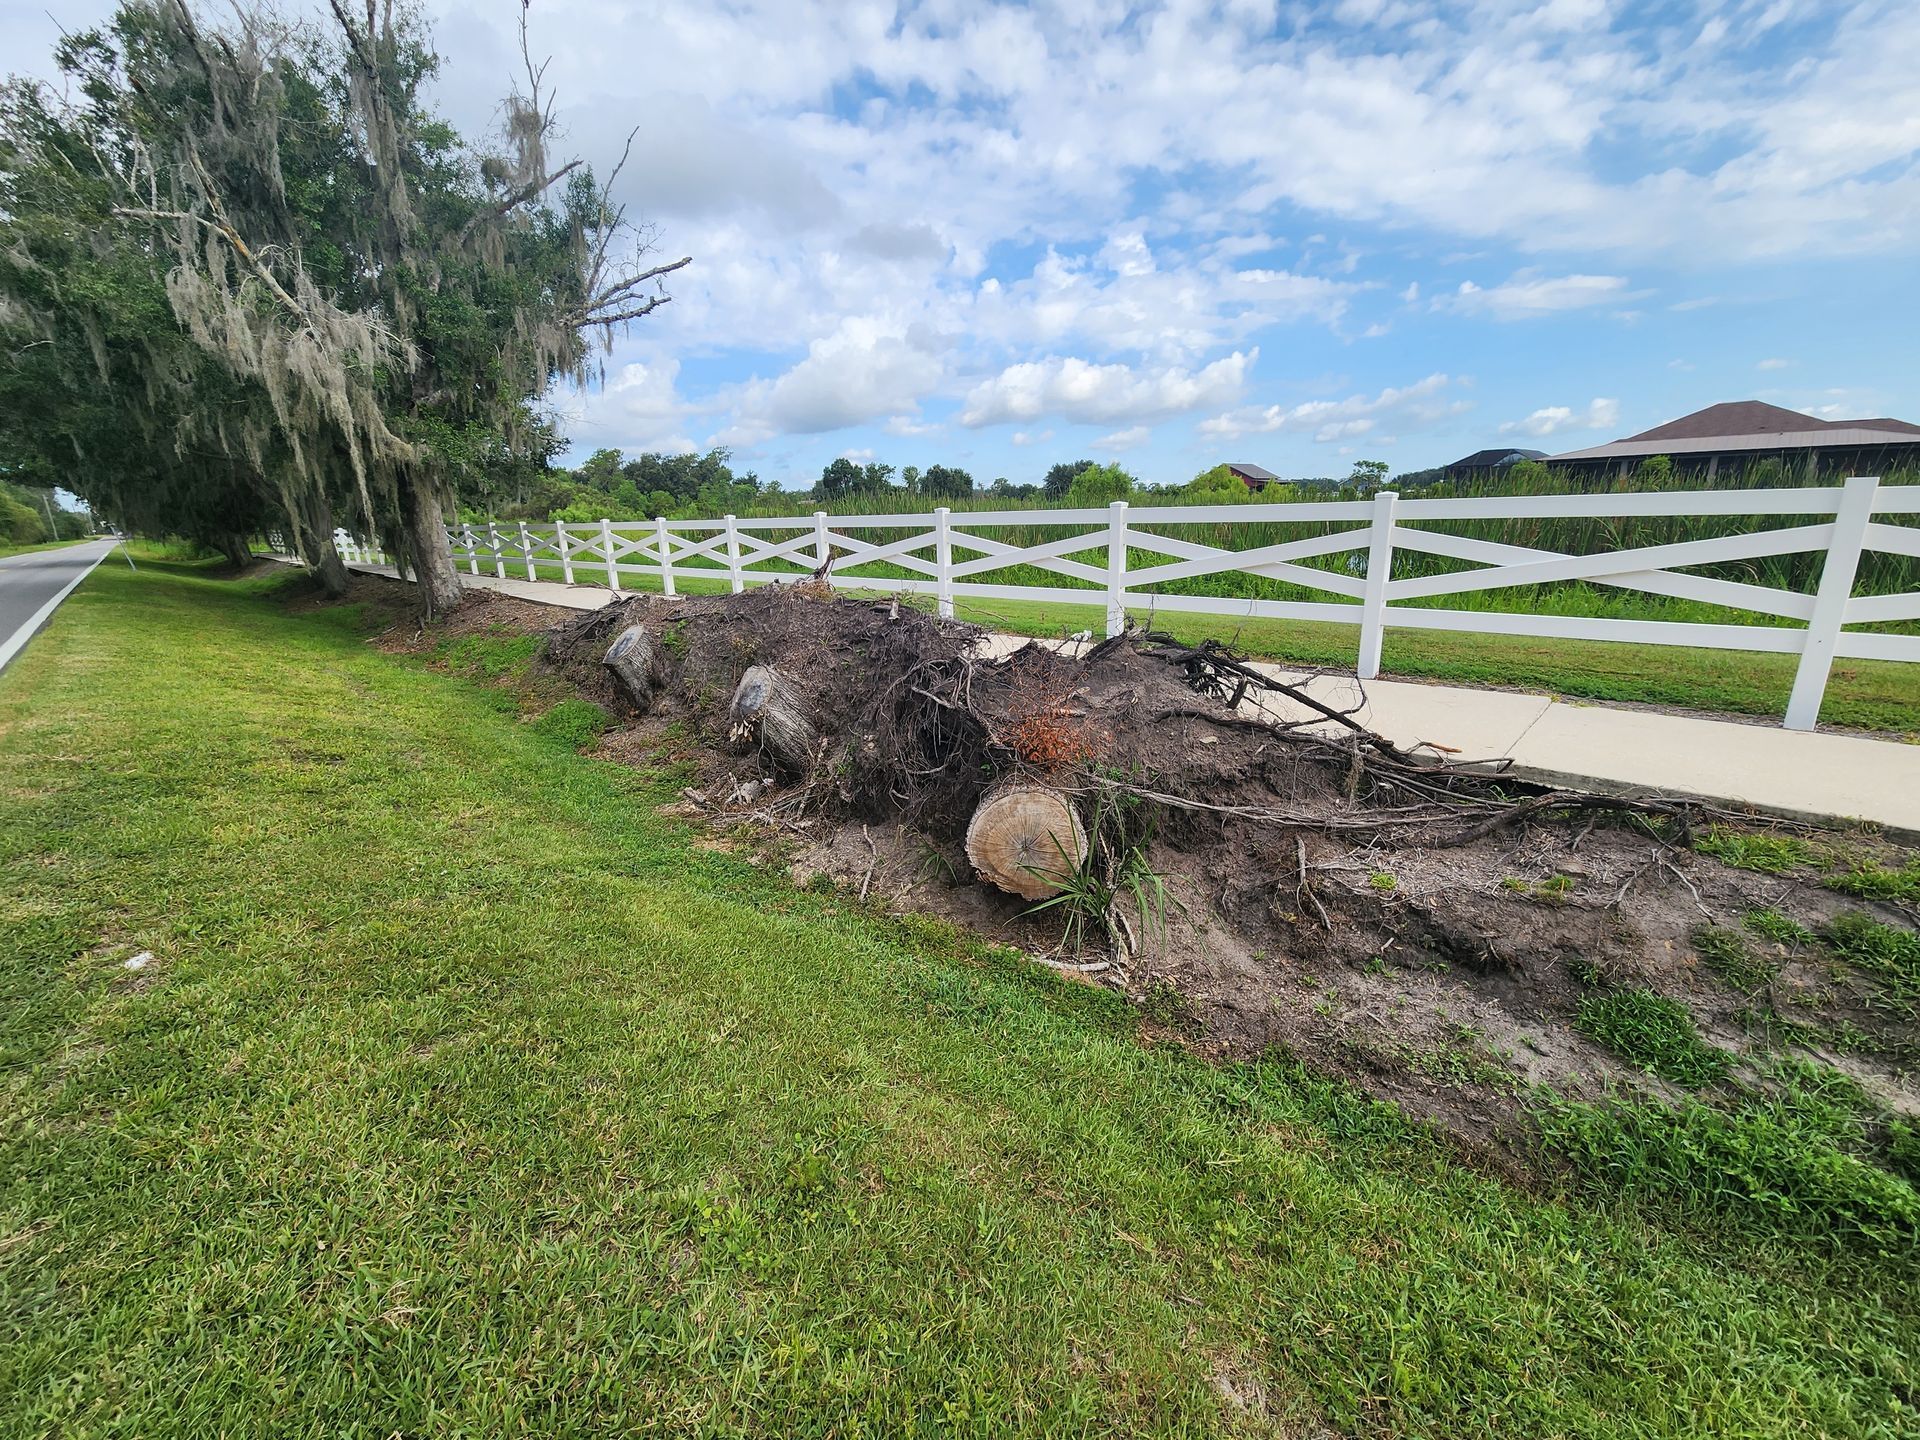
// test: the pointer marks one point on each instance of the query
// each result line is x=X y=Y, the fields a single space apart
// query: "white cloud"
x=888 y=241
x=1422 y=402
x=1530 y=293
x=1775 y=364
x=1600 y=414
x=1080 y=392
x=901 y=425
x=870 y=166
x=854 y=375
x=639 y=408
x=1131 y=438
x=1127 y=254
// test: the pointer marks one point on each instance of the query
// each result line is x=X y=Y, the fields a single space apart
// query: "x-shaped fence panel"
x=948 y=554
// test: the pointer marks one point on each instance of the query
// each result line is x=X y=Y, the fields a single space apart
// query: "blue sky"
x=1002 y=236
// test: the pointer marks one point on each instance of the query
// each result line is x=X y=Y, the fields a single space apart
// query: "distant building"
x=1743 y=431
x=1481 y=462
x=1256 y=477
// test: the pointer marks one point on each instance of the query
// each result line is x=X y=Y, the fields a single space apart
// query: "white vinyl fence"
x=942 y=550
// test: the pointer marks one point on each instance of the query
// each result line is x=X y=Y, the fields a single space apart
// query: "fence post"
x=665 y=547
x=606 y=549
x=1822 y=634
x=822 y=545
x=1116 y=567
x=473 y=550
x=526 y=551
x=733 y=555
x=561 y=543
x=1373 y=604
x=493 y=548
x=943 y=560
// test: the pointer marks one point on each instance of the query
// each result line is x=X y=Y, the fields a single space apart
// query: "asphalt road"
x=28 y=582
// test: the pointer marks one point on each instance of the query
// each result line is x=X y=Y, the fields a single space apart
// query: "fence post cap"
x=1116 y=504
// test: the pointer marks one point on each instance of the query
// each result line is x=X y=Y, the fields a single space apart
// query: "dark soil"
x=1325 y=897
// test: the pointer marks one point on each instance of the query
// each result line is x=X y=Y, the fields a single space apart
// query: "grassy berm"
x=466 y=1094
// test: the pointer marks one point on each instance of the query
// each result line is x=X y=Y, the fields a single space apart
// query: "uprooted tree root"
x=1257 y=867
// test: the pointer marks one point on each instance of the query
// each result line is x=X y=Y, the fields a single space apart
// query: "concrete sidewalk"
x=1802 y=775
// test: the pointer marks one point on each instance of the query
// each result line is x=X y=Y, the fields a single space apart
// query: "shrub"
x=1100 y=485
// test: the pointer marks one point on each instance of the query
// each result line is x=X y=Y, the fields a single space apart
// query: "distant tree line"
x=608 y=484
x=32 y=515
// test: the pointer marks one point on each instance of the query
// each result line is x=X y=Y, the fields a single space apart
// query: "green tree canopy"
x=1101 y=485
x=1216 y=486
x=370 y=304
x=945 y=482
x=1060 y=478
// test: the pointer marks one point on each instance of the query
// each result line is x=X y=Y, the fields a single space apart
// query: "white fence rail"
x=941 y=551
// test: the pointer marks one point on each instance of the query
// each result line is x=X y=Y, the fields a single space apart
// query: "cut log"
x=1026 y=839
x=635 y=662
x=768 y=708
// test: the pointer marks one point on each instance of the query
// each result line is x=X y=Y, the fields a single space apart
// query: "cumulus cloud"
x=639 y=408
x=1012 y=143
x=889 y=241
x=1080 y=392
x=1131 y=438
x=1420 y=403
x=1529 y=294
x=855 y=375
x=1600 y=414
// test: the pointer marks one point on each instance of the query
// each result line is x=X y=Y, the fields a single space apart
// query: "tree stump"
x=1026 y=839
x=635 y=662
x=766 y=705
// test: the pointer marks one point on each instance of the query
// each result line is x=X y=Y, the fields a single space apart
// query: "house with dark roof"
x=1483 y=462
x=1742 y=431
x=1255 y=477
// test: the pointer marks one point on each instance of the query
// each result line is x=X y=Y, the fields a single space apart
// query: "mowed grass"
x=468 y=1095
x=1861 y=694
x=7 y=550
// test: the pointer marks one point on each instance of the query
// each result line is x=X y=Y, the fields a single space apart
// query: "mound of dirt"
x=1261 y=873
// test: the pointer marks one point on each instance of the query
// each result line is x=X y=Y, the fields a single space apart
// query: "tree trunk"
x=766 y=705
x=424 y=509
x=237 y=549
x=312 y=523
x=393 y=540
x=635 y=663
x=1026 y=839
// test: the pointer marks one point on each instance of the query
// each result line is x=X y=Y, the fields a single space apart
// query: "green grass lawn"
x=1862 y=694
x=8 y=550
x=466 y=1094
